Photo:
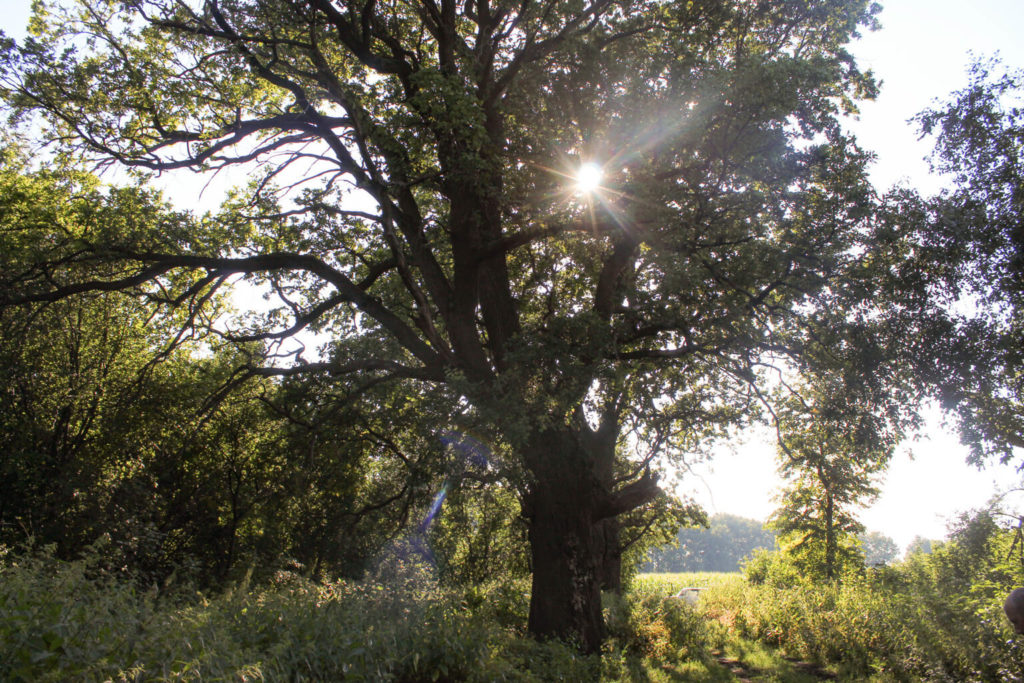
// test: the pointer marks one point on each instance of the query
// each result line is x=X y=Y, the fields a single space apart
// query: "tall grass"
x=903 y=623
x=62 y=621
x=869 y=628
x=73 y=622
x=65 y=622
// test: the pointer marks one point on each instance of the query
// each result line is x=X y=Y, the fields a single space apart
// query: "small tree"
x=831 y=455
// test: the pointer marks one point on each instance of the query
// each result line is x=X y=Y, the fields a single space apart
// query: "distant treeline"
x=730 y=539
x=720 y=548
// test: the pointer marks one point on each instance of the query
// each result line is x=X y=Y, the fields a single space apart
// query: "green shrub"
x=772 y=568
x=649 y=622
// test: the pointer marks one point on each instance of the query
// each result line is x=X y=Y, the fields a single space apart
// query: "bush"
x=772 y=568
x=59 y=621
x=649 y=622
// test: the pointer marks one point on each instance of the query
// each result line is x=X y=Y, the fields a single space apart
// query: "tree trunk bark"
x=571 y=512
x=610 y=570
x=562 y=507
x=600 y=443
x=831 y=570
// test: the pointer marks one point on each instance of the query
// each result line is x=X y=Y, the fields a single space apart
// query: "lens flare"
x=475 y=452
x=588 y=178
x=435 y=507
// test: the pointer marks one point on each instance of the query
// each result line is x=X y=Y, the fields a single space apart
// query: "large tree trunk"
x=562 y=508
x=567 y=506
x=600 y=444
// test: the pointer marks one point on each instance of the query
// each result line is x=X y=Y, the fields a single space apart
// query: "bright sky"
x=920 y=54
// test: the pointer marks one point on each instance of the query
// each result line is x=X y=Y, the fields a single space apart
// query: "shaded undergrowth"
x=65 y=621
x=74 y=621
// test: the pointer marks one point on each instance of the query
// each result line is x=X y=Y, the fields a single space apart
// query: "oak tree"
x=417 y=198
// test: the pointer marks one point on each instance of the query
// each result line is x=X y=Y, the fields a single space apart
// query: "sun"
x=588 y=178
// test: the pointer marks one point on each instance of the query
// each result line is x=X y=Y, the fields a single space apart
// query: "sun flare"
x=588 y=178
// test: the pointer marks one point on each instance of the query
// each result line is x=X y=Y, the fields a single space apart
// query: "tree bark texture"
x=562 y=508
x=607 y=532
x=572 y=511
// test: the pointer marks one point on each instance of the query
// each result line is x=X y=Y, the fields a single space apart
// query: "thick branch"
x=394 y=369
x=160 y=264
x=630 y=496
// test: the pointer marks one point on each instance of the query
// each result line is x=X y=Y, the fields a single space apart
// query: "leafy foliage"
x=832 y=446
x=973 y=243
x=115 y=426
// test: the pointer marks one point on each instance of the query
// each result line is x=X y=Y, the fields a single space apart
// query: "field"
x=673 y=582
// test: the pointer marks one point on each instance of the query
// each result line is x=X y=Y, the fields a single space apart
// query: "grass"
x=729 y=655
x=674 y=582
x=67 y=622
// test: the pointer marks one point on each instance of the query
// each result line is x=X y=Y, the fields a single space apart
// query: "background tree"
x=434 y=230
x=109 y=434
x=366 y=465
x=99 y=422
x=831 y=452
x=878 y=548
x=920 y=544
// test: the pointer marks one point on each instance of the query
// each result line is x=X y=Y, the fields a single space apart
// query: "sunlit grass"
x=672 y=582
x=71 y=621
x=765 y=663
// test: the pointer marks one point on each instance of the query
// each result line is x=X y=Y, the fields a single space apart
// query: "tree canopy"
x=975 y=231
x=413 y=198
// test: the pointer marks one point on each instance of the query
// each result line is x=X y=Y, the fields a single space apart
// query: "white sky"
x=921 y=54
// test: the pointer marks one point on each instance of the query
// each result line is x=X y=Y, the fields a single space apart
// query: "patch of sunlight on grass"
x=753 y=654
x=766 y=664
x=652 y=671
x=674 y=581
x=700 y=672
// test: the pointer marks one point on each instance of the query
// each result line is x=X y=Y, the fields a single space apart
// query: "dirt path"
x=801 y=671
x=741 y=671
